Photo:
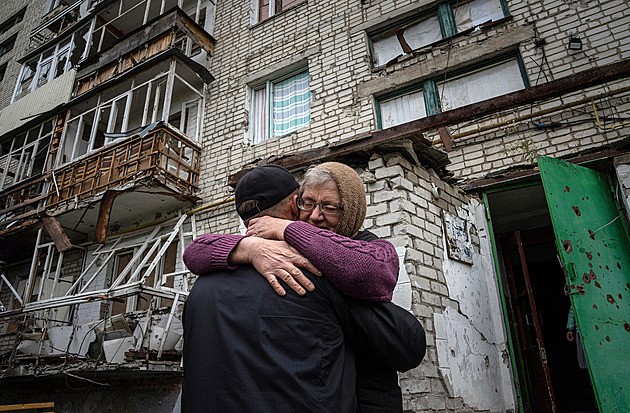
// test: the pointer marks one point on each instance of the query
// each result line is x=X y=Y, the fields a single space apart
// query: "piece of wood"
x=25 y=406
x=57 y=234
x=447 y=139
x=104 y=213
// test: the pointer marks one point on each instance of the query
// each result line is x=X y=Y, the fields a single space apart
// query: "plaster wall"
x=470 y=336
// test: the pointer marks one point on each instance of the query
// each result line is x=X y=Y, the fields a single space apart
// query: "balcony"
x=159 y=155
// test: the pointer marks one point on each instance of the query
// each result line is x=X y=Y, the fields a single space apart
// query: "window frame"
x=430 y=86
x=26 y=153
x=60 y=50
x=12 y=21
x=8 y=45
x=267 y=85
x=446 y=19
x=273 y=4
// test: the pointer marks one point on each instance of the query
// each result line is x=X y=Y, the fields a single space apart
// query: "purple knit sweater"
x=360 y=269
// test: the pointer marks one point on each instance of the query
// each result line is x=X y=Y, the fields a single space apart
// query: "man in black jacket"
x=248 y=349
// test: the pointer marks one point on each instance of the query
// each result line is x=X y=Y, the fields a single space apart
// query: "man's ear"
x=295 y=212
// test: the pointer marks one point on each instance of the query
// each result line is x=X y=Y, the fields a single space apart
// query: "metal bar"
x=144 y=330
x=146 y=257
x=109 y=257
x=12 y=289
x=191 y=87
x=47 y=265
x=57 y=272
x=537 y=326
x=168 y=94
x=193 y=222
x=74 y=285
x=168 y=325
x=34 y=264
x=165 y=246
x=135 y=257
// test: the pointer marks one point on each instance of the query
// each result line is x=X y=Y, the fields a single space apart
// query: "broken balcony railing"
x=161 y=153
x=144 y=274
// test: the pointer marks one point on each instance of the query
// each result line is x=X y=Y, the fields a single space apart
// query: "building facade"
x=491 y=135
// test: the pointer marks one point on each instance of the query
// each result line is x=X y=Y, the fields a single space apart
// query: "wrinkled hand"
x=267 y=227
x=277 y=259
x=570 y=335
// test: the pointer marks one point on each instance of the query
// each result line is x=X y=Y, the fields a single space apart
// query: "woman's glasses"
x=306 y=204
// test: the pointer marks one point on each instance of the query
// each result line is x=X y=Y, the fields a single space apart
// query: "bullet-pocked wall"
x=466 y=367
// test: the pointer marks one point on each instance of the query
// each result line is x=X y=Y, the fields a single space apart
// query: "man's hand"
x=570 y=335
x=267 y=227
x=277 y=259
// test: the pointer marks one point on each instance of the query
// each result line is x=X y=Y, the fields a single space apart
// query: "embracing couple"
x=331 y=343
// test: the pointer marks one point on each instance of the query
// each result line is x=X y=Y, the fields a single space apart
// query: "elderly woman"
x=331 y=208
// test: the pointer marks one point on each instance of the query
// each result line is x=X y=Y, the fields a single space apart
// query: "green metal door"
x=594 y=247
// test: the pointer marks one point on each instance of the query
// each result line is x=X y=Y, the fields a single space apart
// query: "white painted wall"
x=470 y=340
x=43 y=99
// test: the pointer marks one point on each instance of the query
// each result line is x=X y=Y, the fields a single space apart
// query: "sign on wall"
x=458 y=244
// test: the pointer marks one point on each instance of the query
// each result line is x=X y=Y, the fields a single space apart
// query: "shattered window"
x=52 y=63
x=440 y=23
x=25 y=155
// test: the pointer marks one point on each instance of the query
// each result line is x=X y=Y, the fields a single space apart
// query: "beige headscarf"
x=352 y=197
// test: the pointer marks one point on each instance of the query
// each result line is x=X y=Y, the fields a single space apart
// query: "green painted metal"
x=507 y=316
x=594 y=248
x=447 y=20
x=431 y=98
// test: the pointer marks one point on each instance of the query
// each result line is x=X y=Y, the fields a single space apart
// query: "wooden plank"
x=104 y=214
x=57 y=234
x=26 y=406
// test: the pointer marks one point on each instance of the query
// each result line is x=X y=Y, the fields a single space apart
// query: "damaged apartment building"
x=491 y=135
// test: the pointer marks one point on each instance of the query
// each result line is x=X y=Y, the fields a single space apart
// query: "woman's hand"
x=278 y=260
x=267 y=227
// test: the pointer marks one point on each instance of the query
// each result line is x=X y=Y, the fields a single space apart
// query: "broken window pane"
x=386 y=48
x=402 y=109
x=118 y=115
x=477 y=12
x=423 y=33
x=62 y=60
x=79 y=45
x=25 y=82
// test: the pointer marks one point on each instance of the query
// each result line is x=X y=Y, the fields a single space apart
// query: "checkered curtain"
x=291 y=104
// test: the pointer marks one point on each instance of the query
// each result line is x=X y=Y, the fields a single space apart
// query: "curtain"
x=291 y=104
x=477 y=12
x=386 y=48
x=423 y=33
x=484 y=84
x=258 y=115
x=402 y=109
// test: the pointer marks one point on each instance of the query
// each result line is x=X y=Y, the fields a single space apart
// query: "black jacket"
x=248 y=349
